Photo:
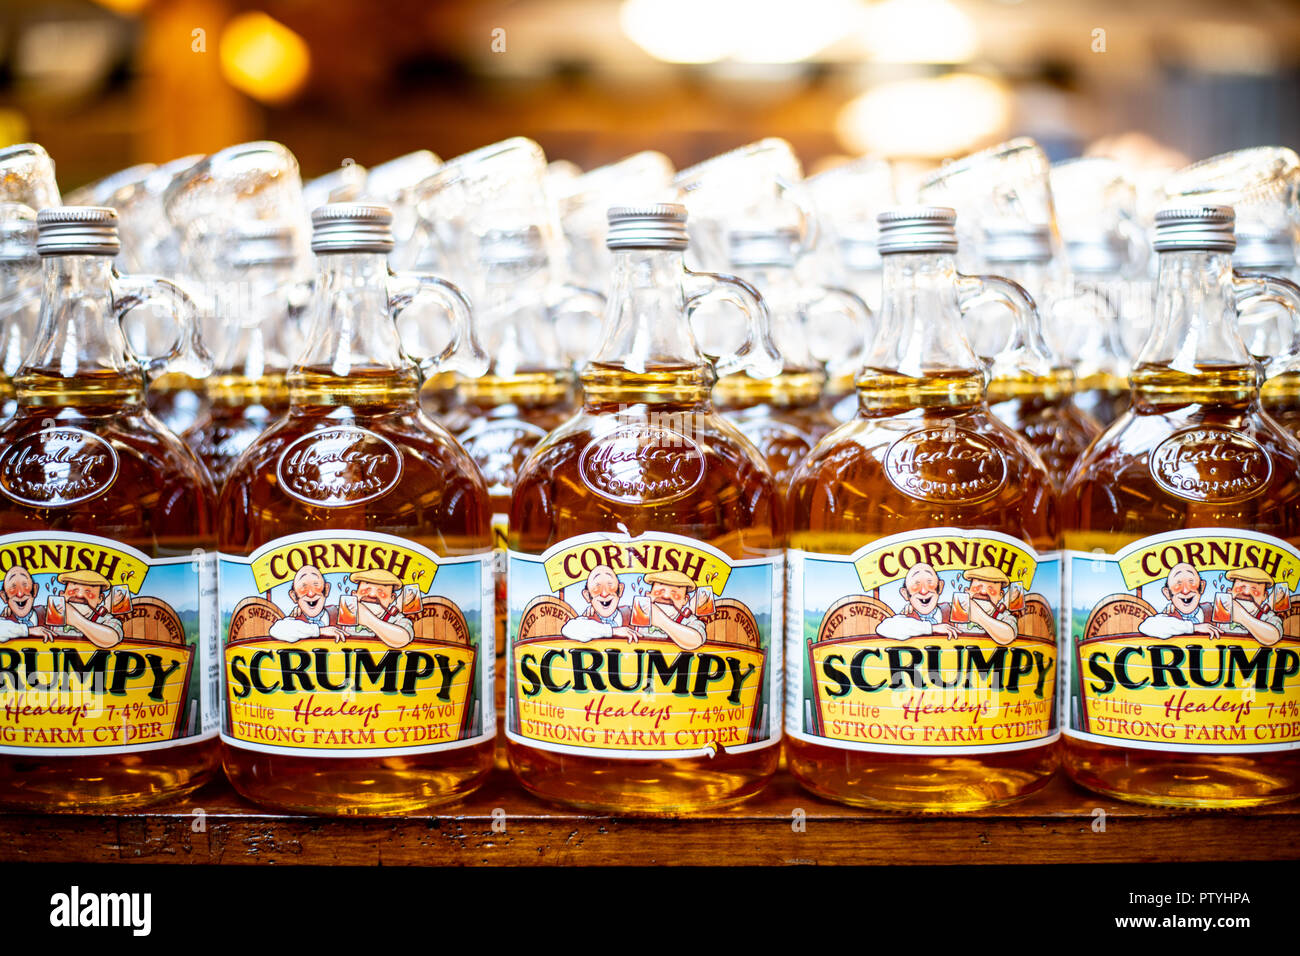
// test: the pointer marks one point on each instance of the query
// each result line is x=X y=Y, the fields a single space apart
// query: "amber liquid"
x=1113 y=501
x=177 y=400
x=783 y=416
x=1043 y=411
x=160 y=503
x=439 y=502
x=499 y=421
x=1102 y=396
x=1281 y=399
x=733 y=508
x=840 y=500
x=239 y=410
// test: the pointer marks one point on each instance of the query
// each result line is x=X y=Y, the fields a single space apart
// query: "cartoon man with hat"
x=670 y=608
x=987 y=587
x=1250 y=610
x=377 y=608
x=18 y=606
x=85 y=611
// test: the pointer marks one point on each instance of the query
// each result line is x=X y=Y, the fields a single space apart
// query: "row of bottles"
x=906 y=612
x=517 y=236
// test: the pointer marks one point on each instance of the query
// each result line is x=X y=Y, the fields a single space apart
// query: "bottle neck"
x=1194 y=352
x=647 y=351
x=353 y=353
x=514 y=325
x=802 y=378
x=920 y=357
x=79 y=356
x=1011 y=376
x=253 y=312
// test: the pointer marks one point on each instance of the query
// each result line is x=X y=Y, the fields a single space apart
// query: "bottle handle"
x=757 y=354
x=578 y=314
x=1258 y=287
x=809 y=224
x=187 y=353
x=858 y=319
x=462 y=353
x=1025 y=351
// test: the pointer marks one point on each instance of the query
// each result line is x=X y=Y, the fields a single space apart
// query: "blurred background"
x=106 y=84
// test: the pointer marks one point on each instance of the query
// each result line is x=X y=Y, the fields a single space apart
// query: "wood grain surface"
x=1053 y=826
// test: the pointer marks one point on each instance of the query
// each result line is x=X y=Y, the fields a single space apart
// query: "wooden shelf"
x=1053 y=826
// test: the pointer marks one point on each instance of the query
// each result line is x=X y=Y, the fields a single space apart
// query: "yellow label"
x=1159 y=556
x=1190 y=691
x=320 y=694
x=893 y=558
x=574 y=564
x=71 y=694
x=340 y=553
x=40 y=556
x=922 y=692
x=609 y=695
x=1186 y=641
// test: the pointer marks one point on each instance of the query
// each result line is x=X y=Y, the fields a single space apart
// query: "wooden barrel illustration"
x=1117 y=614
x=440 y=620
x=1036 y=619
x=152 y=619
x=733 y=623
x=853 y=616
x=253 y=618
x=544 y=616
x=1291 y=621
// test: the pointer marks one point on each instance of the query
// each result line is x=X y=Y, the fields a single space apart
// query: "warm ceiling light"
x=264 y=58
x=776 y=31
x=930 y=118
x=744 y=31
x=919 y=31
x=124 y=7
x=678 y=31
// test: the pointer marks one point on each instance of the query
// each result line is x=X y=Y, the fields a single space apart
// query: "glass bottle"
x=105 y=541
x=784 y=416
x=923 y=575
x=644 y=582
x=20 y=295
x=356 y=587
x=1029 y=389
x=247 y=391
x=528 y=389
x=1266 y=325
x=1181 y=528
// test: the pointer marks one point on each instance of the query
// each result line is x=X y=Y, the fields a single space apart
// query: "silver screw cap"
x=917 y=229
x=352 y=227
x=657 y=226
x=1017 y=242
x=264 y=242
x=1185 y=228
x=1264 y=249
x=77 y=231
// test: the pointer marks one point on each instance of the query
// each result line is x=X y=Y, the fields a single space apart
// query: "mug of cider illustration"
x=703 y=601
x=1016 y=597
x=410 y=600
x=641 y=610
x=960 y=613
x=1279 y=599
x=1223 y=608
x=54 y=615
x=348 y=610
x=119 y=600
